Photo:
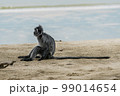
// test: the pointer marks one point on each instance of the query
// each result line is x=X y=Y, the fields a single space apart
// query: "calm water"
x=66 y=25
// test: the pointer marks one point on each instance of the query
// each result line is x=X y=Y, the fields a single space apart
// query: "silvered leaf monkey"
x=45 y=48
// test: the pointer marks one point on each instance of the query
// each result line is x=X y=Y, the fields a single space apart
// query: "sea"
x=62 y=23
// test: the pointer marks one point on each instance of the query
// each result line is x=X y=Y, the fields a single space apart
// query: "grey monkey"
x=45 y=49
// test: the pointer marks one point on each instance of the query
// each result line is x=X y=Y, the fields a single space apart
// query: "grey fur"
x=45 y=48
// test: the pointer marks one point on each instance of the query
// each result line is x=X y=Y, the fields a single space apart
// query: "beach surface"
x=58 y=8
x=66 y=69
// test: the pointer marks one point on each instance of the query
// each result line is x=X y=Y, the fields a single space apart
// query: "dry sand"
x=67 y=69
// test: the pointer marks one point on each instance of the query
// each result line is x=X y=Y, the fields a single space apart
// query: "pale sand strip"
x=23 y=10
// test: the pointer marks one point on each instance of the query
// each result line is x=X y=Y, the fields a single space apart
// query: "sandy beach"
x=59 y=8
x=67 y=69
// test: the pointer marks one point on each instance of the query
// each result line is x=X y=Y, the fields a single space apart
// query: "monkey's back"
x=46 y=41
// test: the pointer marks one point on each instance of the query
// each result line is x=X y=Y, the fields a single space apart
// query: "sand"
x=66 y=69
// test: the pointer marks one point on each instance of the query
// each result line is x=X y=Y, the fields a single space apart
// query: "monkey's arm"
x=45 y=53
x=36 y=50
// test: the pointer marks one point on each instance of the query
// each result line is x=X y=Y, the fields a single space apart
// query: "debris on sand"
x=6 y=64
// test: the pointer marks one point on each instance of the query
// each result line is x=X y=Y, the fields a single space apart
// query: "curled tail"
x=106 y=57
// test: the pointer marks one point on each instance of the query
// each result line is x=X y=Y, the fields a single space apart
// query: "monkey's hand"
x=26 y=59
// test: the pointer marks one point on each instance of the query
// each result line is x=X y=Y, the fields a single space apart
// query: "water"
x=67 y=25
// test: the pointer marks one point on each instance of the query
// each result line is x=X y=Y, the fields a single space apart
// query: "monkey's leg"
x=33 y=54
x=45 y=54
x=28 y=56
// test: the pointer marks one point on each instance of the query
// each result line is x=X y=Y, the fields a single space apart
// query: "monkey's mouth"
x=37 y=34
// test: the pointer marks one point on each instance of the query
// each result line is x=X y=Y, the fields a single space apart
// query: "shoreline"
x=68 y=8
x=55 y=6
x=64 y=41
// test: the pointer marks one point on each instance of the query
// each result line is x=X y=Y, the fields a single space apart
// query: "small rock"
x=6 y=64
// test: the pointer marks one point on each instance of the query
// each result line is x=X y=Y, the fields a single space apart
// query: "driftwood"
x=6 y=64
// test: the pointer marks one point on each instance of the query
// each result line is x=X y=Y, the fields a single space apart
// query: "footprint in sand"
x=72 y=74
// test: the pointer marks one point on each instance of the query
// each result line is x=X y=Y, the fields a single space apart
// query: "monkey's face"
x=38 y=31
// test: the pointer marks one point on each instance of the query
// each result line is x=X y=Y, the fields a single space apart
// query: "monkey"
x=46 y=48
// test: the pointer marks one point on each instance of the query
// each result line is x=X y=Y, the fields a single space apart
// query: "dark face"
x=38 y=31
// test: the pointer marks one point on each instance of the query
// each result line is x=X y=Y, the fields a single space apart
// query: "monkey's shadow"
x=105 y=57
x=82 y=57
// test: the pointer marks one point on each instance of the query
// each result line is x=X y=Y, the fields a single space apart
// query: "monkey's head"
x=38 y=31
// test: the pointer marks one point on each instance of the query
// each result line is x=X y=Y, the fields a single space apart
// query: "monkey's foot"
x=26 y=59
x=39 y=59
x=23 y=56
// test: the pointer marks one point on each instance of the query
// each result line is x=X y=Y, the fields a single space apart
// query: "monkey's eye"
x=34 y=28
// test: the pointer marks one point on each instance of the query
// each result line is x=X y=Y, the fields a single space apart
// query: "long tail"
x=81 y=57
